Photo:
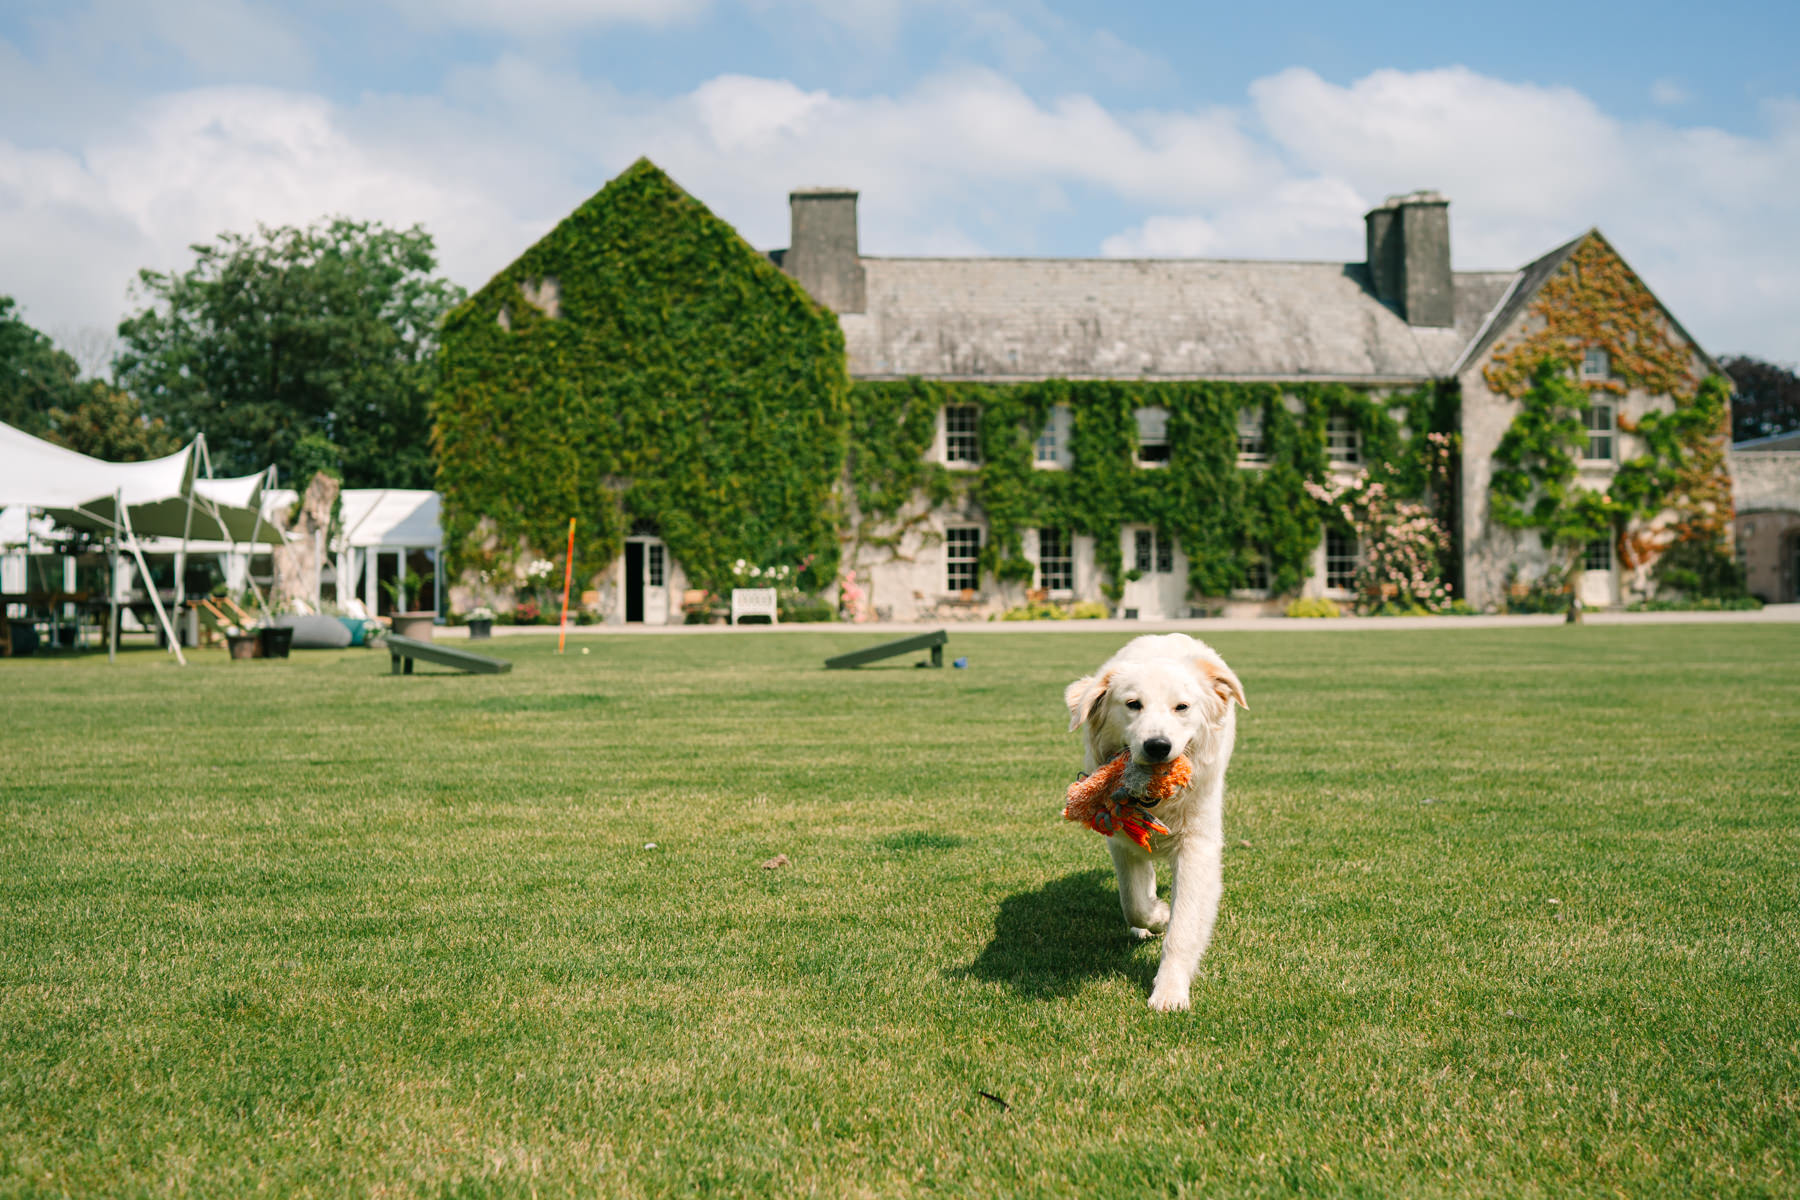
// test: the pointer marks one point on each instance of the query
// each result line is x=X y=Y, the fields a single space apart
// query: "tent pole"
x=250 y=563
x=112 y=620
x=137 y=552
x=187 y=528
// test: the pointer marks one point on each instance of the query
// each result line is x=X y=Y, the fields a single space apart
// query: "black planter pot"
x=276 y=640
x=481 y=629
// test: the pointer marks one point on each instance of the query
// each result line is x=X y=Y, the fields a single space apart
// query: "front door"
x=1157 y=594
x=646 y=581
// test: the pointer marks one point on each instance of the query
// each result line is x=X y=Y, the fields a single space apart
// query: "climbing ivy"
x=642 y=364
x=1537 y=462
x=1595 y=301
x=1225 y=517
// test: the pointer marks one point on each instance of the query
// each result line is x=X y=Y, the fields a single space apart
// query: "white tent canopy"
x=123 y=502
x=40 y=474
x=390 y=517
x=385 y=521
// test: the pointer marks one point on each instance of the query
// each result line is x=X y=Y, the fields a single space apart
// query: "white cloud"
x=963 y=162
x=743 y=113
x=1297 y=219
x=75 y=227
x=536 y=18
x=1704 y=215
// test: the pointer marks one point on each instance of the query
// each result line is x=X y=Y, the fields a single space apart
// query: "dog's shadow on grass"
x=1050 y=941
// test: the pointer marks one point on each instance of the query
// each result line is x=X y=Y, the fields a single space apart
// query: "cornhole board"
x=933 y=641
x=404 y=650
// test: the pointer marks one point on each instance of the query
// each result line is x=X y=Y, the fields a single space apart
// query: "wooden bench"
x=403 y=650
x=754 y=602
x=933 y=641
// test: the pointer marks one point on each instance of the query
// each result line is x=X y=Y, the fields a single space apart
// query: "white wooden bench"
x=753 y=602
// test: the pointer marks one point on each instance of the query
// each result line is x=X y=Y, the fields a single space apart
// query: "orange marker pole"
x=568 y=574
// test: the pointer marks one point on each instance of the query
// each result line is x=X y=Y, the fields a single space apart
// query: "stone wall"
x=1491 y=551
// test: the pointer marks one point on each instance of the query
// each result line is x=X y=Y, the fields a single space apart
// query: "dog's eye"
x=1134 y=705
x=1181 y=708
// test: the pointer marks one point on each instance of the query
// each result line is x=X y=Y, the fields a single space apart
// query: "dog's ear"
x=1222 y=681
x=1082 y=695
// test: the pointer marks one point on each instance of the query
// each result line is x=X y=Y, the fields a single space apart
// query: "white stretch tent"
x=122 y=502
x=378 y=521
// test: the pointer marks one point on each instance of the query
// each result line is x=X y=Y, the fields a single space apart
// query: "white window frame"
x=1608 y=432
x=1596 y=363
x=962 y=446
x=1152 y=553
x=1050 y=452
x=1062 y=540
x=1343 y=441
x=1598 y=555
x=1152 y=435
x=962 y=558
x=1252 y=438
x=1335 y=577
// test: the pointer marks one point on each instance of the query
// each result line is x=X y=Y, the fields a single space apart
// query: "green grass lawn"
x=1508 y=912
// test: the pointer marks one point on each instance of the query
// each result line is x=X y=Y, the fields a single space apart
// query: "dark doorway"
x=634 y=581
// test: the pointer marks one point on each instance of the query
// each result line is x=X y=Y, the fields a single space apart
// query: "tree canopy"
x=309 y=348
x=1767 y=400
x=35 y=377
x=42 y=393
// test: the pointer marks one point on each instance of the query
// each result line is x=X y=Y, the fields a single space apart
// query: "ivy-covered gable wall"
x=642 y=365
x=1524 y=402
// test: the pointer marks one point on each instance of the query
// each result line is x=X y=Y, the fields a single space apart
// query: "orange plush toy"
x=1120 y=794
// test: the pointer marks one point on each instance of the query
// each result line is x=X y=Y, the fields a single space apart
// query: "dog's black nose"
x=1156 y=749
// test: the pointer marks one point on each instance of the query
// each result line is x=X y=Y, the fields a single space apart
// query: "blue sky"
x=131 y=128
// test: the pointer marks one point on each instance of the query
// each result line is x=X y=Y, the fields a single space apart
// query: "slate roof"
x=1530 y=279
x=1014 y=318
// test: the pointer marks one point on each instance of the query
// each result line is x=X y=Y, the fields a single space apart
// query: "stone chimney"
x=1409 y=257
x=822 y=254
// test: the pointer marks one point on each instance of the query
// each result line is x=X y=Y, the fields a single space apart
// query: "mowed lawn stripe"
x=1508 y=912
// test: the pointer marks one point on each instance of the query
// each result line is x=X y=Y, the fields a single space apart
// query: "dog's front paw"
x=1166 y=997
x=1139 y=934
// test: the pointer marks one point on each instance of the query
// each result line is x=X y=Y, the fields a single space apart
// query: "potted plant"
x=481 y=622
x=276 y=640
x=241 y=643
x=412 y=623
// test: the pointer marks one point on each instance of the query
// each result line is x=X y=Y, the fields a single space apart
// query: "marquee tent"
x=392 y=521
x=124 y=503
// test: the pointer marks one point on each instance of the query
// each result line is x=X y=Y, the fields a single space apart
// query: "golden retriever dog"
x=1159 y=697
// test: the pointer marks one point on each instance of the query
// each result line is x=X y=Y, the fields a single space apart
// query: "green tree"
x=35 y=377
x=310 y=348
x=42 y=392
x=1767 y=399
x=107 y=423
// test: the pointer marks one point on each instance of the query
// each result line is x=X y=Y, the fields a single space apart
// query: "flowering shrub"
x=527 y=613
x=749 y=575
x=792 y=603
x=1402 y=544
x=853 y=602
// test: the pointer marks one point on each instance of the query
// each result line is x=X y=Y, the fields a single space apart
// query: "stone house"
x=1398 y=324
x=1398 y=320
x=1765 y=478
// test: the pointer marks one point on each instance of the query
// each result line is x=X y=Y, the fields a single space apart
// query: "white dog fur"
x=1160 y=696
